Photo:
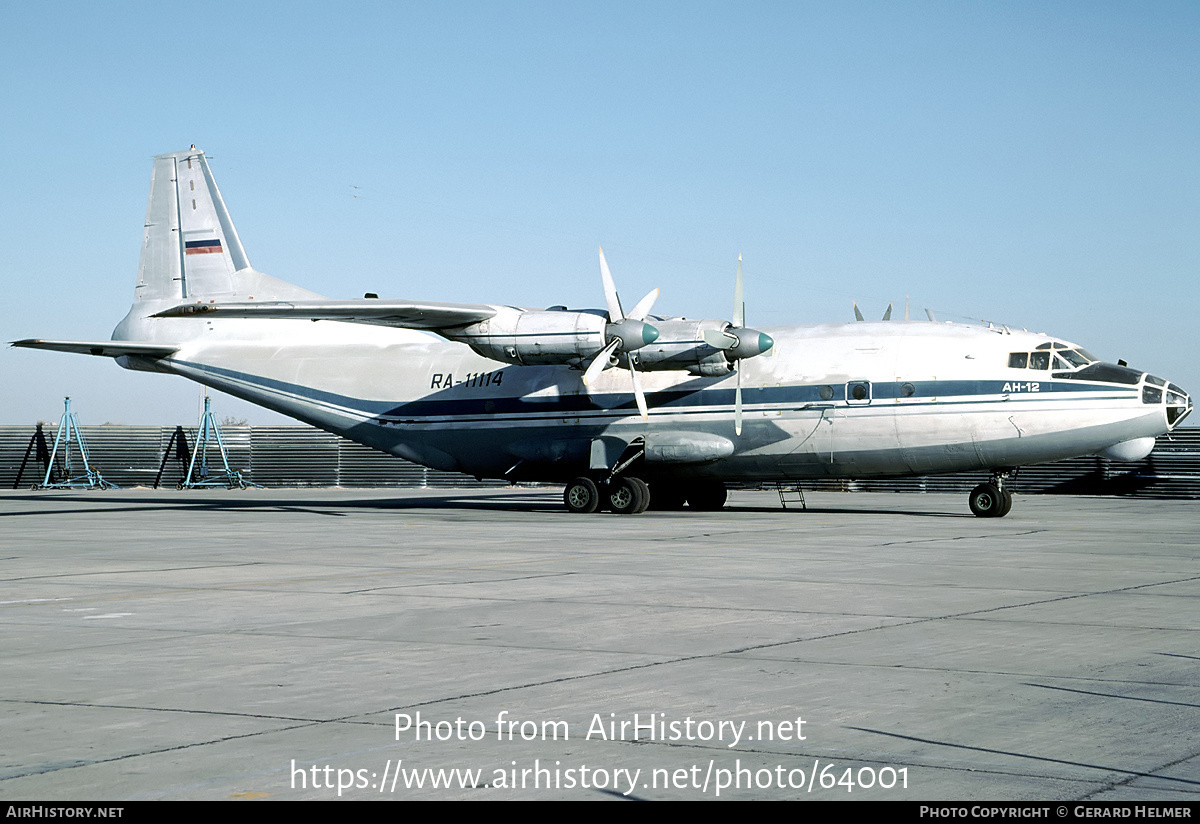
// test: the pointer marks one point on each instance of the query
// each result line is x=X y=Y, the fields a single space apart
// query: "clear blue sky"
x=1035 y=164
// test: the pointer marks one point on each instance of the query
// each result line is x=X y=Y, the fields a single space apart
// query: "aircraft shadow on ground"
x=549 y=501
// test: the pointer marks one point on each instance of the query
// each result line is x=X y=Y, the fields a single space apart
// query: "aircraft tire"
x=627 y=496
x=987 y=501
x=644 y=489
x=582 y=495
x=708 y=496
x=1004 y=510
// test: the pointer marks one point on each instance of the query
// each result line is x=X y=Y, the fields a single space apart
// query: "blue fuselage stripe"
x=444 y=403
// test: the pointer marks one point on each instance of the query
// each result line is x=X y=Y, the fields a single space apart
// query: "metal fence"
x=273 y=456
x=279 y=456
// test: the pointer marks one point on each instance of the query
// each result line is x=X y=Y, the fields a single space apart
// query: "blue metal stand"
x=68 y=430
x=198 y=471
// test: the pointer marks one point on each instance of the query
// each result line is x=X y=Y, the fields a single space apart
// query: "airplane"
x=628 y=409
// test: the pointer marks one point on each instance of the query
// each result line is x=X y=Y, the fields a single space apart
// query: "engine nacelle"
x=525 y=337
x=681 y=347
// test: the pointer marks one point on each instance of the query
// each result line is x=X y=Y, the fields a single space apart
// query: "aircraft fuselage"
x=849 y=400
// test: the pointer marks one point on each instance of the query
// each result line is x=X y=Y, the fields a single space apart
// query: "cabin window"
x=907 y=390
x=1039 y=360
x=858 y=392
x=1018 y=360
x=826 y=393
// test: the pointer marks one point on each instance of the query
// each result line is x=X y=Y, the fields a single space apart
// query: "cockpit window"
x=1075 y=358
x=1061 y=358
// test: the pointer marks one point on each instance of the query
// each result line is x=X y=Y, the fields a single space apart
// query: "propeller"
x=739 y=342
x=623 y=333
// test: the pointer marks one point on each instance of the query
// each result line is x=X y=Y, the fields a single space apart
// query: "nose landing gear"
x=992 y=499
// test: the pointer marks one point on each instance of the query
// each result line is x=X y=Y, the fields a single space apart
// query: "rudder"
x=190 y=248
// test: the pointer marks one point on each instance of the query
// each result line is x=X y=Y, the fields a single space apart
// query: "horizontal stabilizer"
x=404 y=314
x=103 y=348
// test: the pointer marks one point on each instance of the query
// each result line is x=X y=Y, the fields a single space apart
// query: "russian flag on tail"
x=202 y=247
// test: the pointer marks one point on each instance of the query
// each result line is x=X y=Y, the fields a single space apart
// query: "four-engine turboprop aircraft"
x=626 y=408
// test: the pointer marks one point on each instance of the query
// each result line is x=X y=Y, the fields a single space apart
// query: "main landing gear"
x=992 y=499
x=625 y=495
x=630 y=495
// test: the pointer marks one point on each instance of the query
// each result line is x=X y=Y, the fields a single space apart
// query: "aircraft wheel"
x=582 y=495
x=628 y=496
x=988 y=502
x=707 y=497
x=666 y=497
x=1007 y=503
x=644 y=491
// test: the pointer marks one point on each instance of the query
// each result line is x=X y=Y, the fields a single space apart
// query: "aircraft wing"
x=104 y=348
x=405 y=314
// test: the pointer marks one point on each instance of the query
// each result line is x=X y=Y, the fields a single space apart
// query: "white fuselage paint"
x=437 y=402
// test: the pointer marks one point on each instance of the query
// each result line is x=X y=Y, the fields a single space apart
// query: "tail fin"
x=190 y=248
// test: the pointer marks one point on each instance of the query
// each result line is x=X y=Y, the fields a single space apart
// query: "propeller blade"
x=644 y=306
x=720 y=340
x=737 y=405
x=615 y=315
x=638 y=394
x=887 y=315
x=858 y=314
x=739 y=298
x=599 y=363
